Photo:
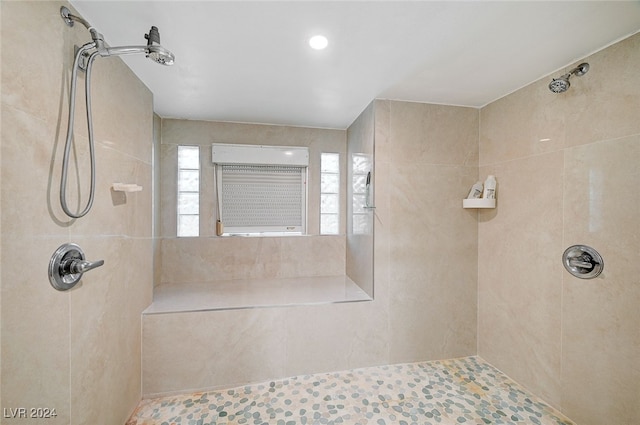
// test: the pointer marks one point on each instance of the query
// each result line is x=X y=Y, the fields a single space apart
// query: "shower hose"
x=67 y=147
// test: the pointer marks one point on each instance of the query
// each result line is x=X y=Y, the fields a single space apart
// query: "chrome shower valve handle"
x=67 y=266
x=583 y=261
x=81 y=266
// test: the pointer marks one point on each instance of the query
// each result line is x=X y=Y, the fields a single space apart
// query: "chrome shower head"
x=160 y=55
x=155 y=51
x=562 y=84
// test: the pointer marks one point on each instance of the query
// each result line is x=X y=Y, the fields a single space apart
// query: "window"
x=188 y=191
x=261 y=190
x=329 y=193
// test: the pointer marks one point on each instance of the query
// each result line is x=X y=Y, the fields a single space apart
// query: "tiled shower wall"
x=426 y=158
x=425 y=297
x=359 y=246
x=77 y=352
x=567 y=170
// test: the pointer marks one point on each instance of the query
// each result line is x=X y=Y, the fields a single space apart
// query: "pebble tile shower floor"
x=450 y=392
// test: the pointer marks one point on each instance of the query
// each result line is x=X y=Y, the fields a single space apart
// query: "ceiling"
x=249 y=61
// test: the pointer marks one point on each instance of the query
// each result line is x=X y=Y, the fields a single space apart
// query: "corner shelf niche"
x=478 y=203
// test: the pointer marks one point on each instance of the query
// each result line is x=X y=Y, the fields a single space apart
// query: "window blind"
x=262 y=198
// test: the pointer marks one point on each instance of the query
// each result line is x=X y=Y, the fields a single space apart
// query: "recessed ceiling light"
x=318 y=42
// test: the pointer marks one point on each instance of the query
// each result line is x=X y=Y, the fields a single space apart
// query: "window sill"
x=254 y=293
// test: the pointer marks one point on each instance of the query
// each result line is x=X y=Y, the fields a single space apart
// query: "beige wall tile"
x=519 y=271
x=156 y=220
x=605 y=103
x=234 y=347
x=528 y=122
x=216 y=259
x=78 y=351
x=31 y=176
x=168 y=190
x=382 y=215
x=35 y=83
x=106 y=331
x=114 y=212
x=601 y=342
x=433 y=263
x=352 y=328
x=229 y=348
x=359 y=253
x=124 y=121
x=382 y=234
x=35 y=330
x=428 y=274
x=434 y=134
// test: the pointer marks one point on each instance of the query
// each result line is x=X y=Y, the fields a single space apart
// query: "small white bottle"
x=476 y=191
x=489 y=191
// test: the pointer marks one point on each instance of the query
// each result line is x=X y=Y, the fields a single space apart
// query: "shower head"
x=562 y=84
x=155 y=51
x=160 y=55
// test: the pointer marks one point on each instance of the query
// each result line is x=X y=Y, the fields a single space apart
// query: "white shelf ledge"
x=254 y=293
x=126 y=187
x=478 y=203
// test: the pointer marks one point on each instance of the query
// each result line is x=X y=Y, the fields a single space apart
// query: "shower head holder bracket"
x=69 y=18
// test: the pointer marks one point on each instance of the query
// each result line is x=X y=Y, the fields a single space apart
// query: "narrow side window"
x=329 y=193
x=188 y=191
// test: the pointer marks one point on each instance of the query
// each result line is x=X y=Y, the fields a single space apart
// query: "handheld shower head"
x=160 y=55
x=562 y=84
x=155 y=51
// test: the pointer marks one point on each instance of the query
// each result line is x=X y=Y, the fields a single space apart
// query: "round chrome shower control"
x=67 y=265
x=582 y=261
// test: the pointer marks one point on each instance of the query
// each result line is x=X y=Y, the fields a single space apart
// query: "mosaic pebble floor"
x=450 y=392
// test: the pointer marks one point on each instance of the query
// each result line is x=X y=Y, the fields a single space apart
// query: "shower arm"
x=69 y=18
x=122 y=50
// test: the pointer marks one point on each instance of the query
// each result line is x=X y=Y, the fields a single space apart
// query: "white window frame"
x=180 y=232
x=336 y=192
x=279 y=163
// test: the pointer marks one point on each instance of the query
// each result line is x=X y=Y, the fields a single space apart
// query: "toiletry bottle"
x=489 y=188
x=476 y=191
